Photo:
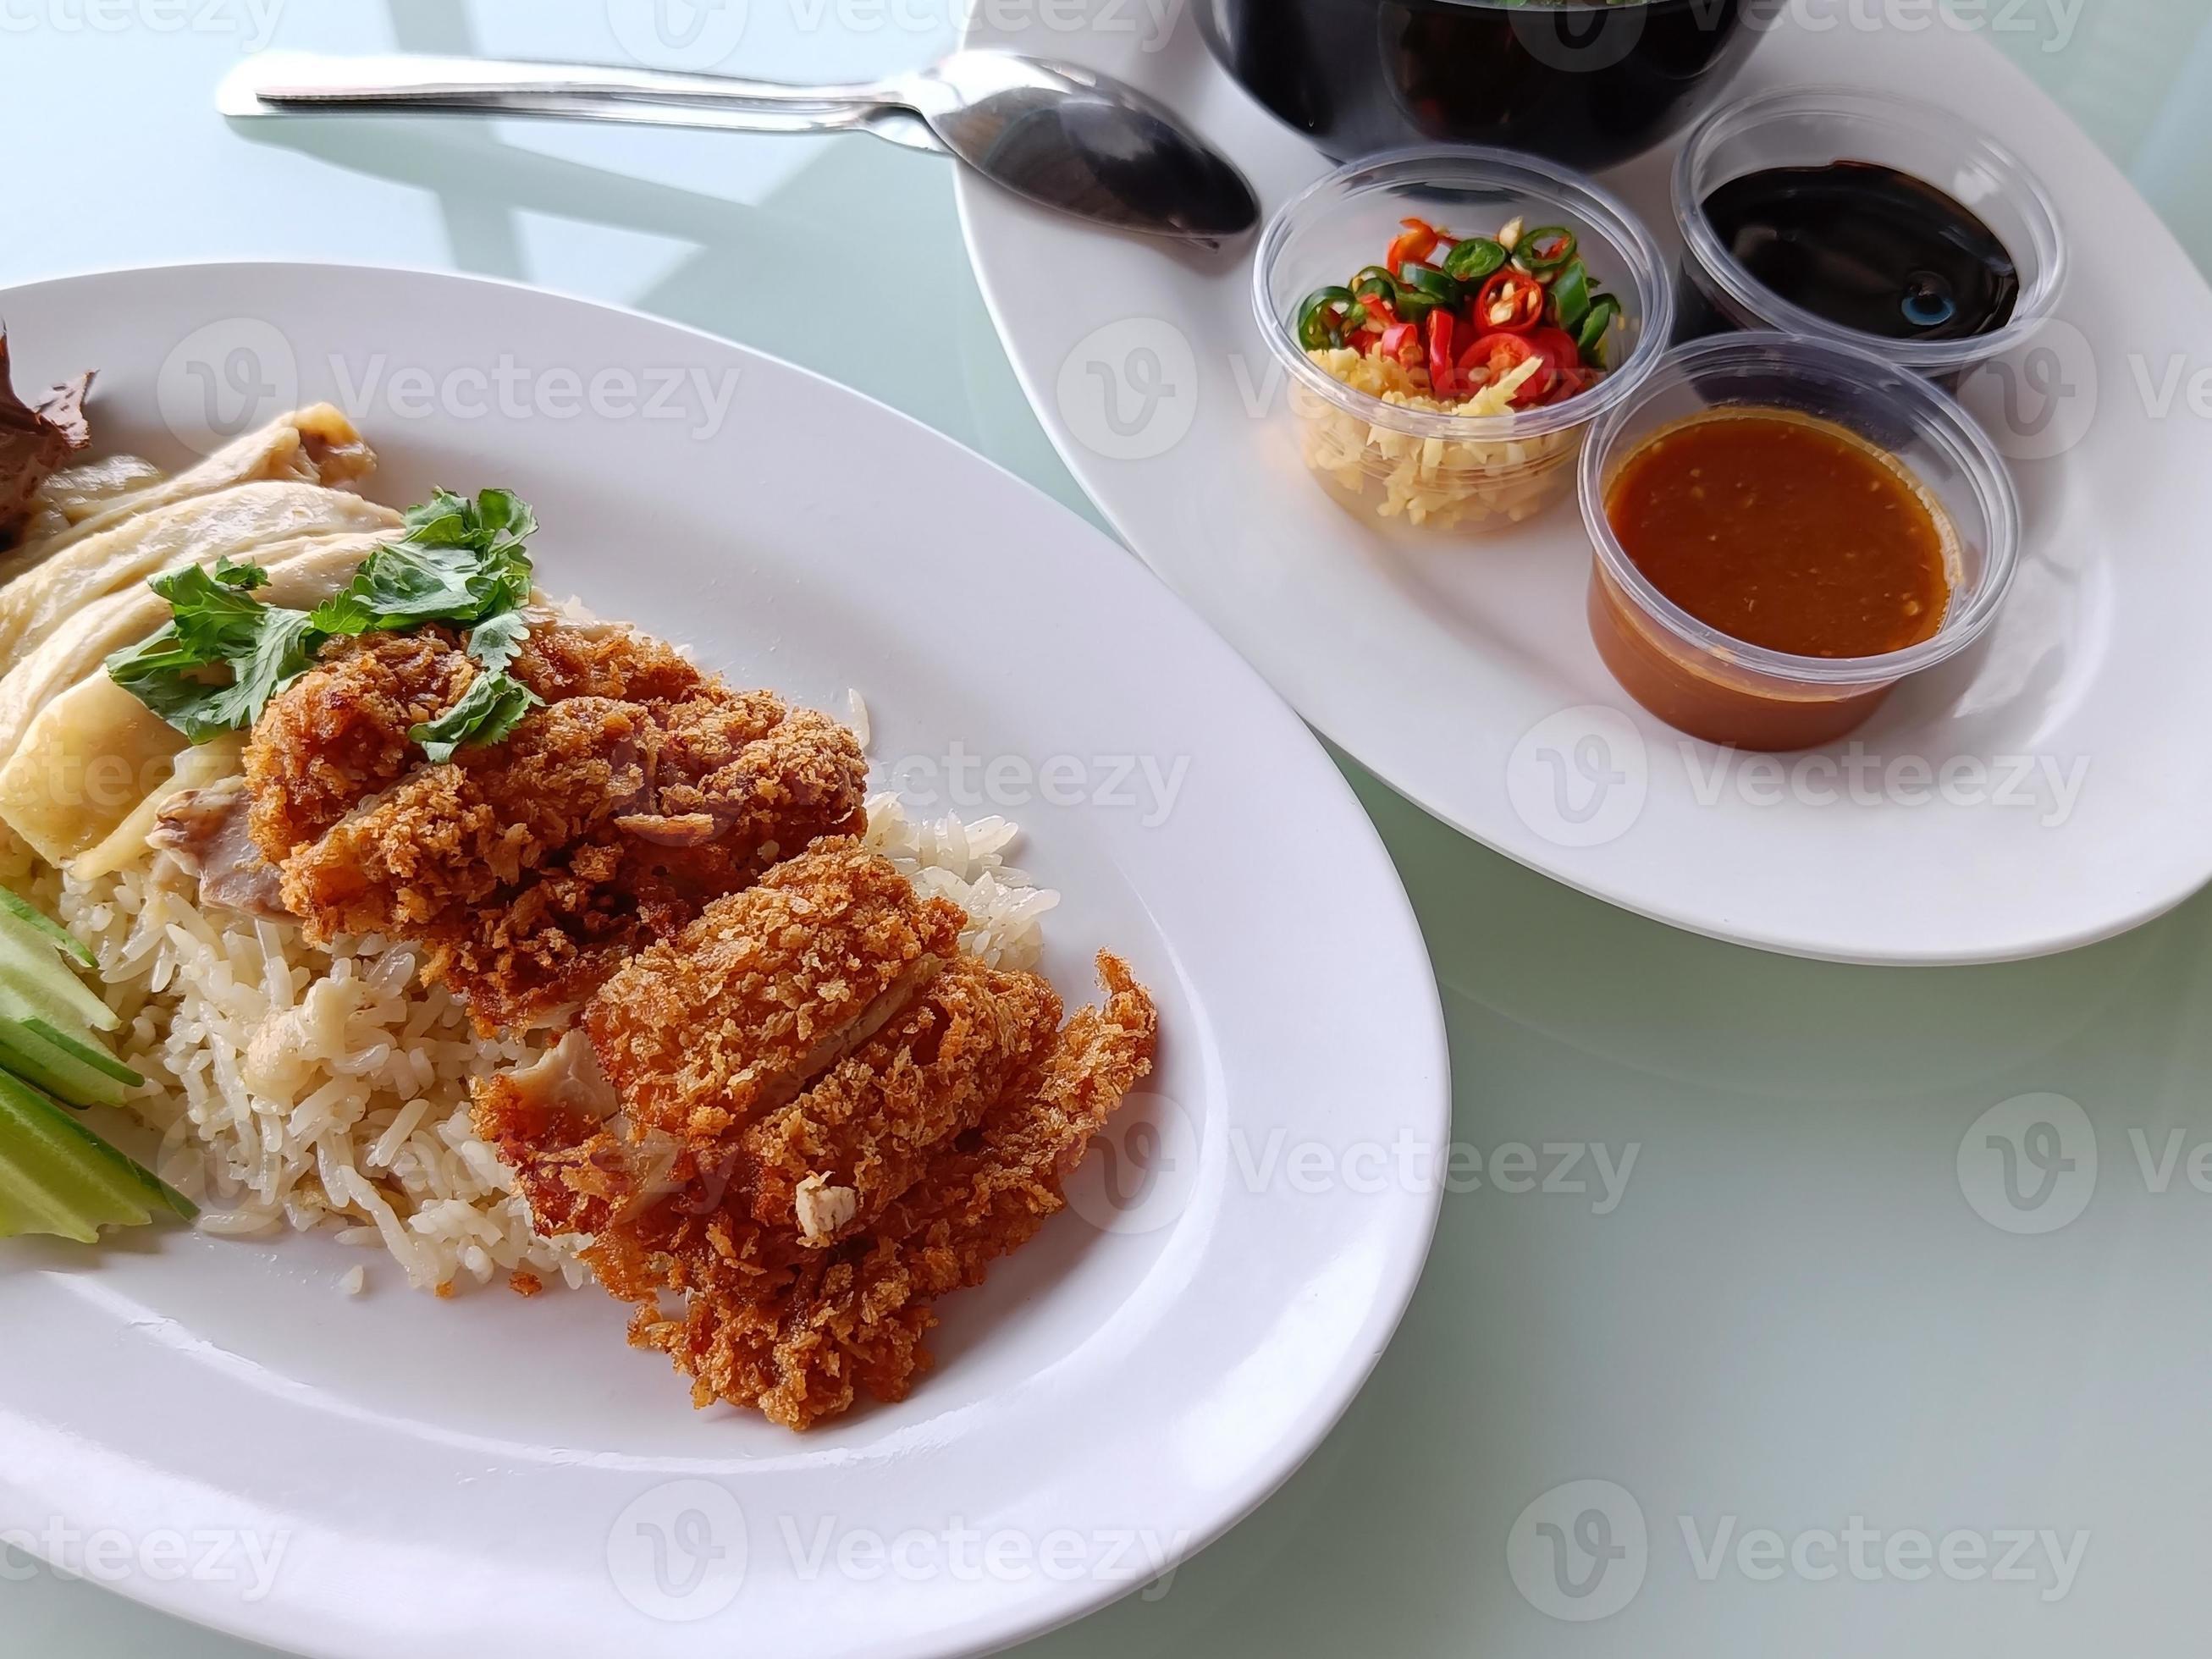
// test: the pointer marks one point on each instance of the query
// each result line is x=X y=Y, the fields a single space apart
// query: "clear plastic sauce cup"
x=1438 y=470
x=1699 y=679
x=1816 y=126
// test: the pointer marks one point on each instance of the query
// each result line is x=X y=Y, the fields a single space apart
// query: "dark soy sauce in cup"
x=1867 y=248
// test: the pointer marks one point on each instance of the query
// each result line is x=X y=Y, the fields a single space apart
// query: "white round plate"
x=490 y=1474
x=2048 y=790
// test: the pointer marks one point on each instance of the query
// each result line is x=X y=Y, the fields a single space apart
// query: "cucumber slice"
x=34 y=1055
x=56 y=935
x=28 y=968
x=58 y=1177
x=88 y=1049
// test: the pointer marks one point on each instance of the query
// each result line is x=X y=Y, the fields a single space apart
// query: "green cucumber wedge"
x=54 y=933
x=45 y=983
x=53 y=1060
x=88 y=1050
x=57 y=1178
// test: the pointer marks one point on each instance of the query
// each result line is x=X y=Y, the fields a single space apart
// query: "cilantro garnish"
x=224 y=653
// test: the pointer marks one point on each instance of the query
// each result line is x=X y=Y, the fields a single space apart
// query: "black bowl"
x=1589 y=84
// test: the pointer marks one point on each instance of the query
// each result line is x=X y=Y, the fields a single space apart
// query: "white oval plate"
x=493 y=1475
x=1462 y=672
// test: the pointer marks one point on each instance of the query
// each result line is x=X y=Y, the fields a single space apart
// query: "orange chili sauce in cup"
x=1778 y=531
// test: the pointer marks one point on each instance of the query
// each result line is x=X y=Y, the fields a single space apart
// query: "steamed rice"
x=302 y=1088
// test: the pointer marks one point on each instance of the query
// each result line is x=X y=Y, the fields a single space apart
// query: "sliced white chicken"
x=233 y=522
x=316 y=445
x=76 y=493
x=302 y=570
x=83 y=762
x=200 y=767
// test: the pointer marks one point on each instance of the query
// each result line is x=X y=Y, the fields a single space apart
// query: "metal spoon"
x=1060 y=135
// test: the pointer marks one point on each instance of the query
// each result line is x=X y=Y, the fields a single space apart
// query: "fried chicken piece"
x=727 y=1021
x=530 y=867
x=338 y=734
x=548 y=1122
x=603 y=659
x=766 y=1319
x=827 y=1165
x=800 y=1343
x=452 y=836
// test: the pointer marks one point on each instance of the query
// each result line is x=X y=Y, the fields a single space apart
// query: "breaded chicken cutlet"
x=805 y=1139
x=829 y=1164
x=643 y=790
x=856 y=1318
x=727 y=1020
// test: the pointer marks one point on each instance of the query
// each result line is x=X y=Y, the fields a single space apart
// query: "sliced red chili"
x=1511 y=301
x=1418 y=242
x=1444 y=380
x=1403 y=342
x=1499 y=354
x=1559 y=346
x=1566 y=359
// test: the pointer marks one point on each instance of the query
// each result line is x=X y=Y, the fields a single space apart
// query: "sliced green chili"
x=1603 y=311
x=1474 y=259
x=1570 y=294
x=1544 y=249
x=1375 y=283
x=1321 y=318
x=1435 y=284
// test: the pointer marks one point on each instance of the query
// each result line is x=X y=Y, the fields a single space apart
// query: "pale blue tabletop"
x=1795 y=1314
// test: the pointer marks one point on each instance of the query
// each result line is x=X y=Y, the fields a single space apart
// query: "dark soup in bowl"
x=1577 y=81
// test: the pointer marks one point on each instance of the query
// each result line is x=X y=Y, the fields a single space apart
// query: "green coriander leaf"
x=213 y=614
x=460 y=562
x=231 y=574
x=193 y=693
x=223 y=653
x=492 y=706
x=495 y=641
x=285 y=647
